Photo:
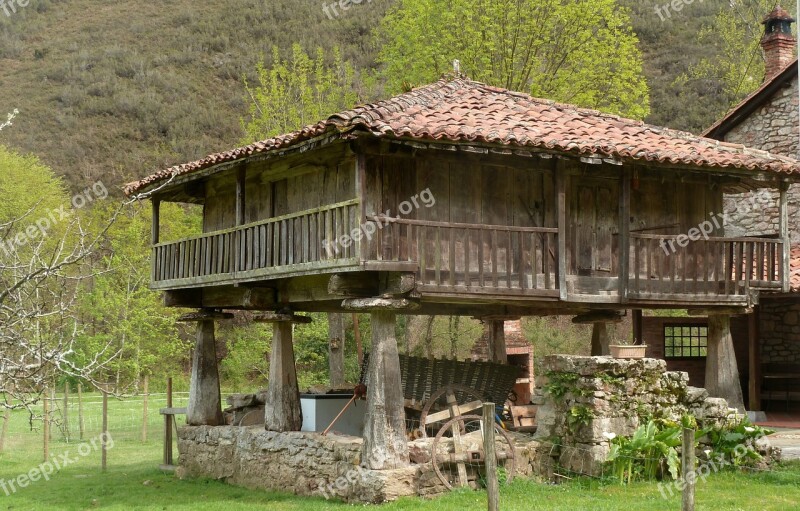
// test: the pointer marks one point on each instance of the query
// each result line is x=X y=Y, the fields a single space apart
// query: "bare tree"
x=40 y=282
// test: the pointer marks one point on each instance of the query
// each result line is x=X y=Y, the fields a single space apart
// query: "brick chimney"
x=778 y=42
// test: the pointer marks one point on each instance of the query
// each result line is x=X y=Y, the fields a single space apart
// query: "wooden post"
x=168 y=418
x=66 y=411
x=155 y=234
x=497 y=341
x=492 y=484
x=600 y=339
x=385 y=445
x=561 y=219
x=783 y=225
x=205 y=402
x=46 y=425
x=81 y=425
x=754 y=352
x=104 y=438
x=689 y=474
x=52 y=408
x=282 y=410
x=336 y=349
x=722 y=371
x=145 y=404
x=624 y=233
x=638 y=337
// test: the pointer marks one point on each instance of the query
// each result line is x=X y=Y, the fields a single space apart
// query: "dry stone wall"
x=587 y=399
x=315 y=465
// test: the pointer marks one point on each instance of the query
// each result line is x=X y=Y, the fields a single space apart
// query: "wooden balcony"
x=461 y=259
x=716 y=267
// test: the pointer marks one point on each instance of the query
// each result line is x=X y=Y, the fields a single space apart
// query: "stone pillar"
x=722 y=371
x=600 y=339
x=385 y=443
x=205 y=402
x=497 y=341
x=282 y=408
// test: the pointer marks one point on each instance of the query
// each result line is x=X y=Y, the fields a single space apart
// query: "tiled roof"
x=464 y=111
x=794 y=274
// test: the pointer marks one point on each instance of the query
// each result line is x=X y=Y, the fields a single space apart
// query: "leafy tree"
x=298 y=91
x=582 y=52
x=737 y=65
x=120 y=309
x=44 y=255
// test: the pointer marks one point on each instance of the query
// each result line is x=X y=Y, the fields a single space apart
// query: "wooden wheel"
x=460 y=456
x=445 y=405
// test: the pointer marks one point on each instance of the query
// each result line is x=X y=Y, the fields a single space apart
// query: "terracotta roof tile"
x=461 y=110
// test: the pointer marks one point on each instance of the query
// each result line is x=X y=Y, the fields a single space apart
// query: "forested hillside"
x=117 y=89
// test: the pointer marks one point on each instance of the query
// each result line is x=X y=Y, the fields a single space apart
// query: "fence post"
x=46 y=425
x=688 y=470
x=492 y=484
x=6 y=420
x=66 y=411
x=168 y=427
x=144 y=408
x=105 y=431
x=80 y=410
x=52 y=409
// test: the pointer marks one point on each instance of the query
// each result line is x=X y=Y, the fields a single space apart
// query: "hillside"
x=117 y=89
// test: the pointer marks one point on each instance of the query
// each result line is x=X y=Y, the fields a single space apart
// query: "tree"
x=582 y=52
x=737 y=66
x=44 y=252
x=298 y=91
x=120 y=309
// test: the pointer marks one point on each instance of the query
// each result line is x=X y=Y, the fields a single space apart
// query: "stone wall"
x=311 y=464
x=780 y=331
x=774 y=128
x=587 y=398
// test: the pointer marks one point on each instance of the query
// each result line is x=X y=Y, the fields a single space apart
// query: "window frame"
x=701 y=337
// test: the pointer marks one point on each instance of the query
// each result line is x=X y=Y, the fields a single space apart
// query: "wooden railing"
x=478 y=258
x=306 y=238
x=661 y=268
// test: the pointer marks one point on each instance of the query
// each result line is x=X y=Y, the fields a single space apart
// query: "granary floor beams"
x=385 y=444
x=205 y=402
x=282 y=410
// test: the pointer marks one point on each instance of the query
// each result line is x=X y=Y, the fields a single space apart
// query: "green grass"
x=133 y=481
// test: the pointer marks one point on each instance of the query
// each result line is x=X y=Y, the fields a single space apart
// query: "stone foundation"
x=314 y=465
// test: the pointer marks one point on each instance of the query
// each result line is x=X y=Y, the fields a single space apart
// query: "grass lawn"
x=134 y=482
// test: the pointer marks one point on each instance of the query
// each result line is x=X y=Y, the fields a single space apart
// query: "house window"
x=685 y=341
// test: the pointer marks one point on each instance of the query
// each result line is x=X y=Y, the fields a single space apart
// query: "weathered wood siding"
x=269 y=194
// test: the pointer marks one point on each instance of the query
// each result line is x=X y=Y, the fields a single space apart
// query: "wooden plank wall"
x=266 y=197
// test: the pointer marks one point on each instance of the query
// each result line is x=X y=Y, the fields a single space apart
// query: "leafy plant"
x=736 y=444
x=558 y=384
x=579 y=415
x=643 y=455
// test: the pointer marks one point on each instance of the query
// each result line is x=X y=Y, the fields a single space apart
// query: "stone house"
x=767 y=344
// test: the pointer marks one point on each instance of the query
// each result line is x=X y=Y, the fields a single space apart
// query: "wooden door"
x=595 y=220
